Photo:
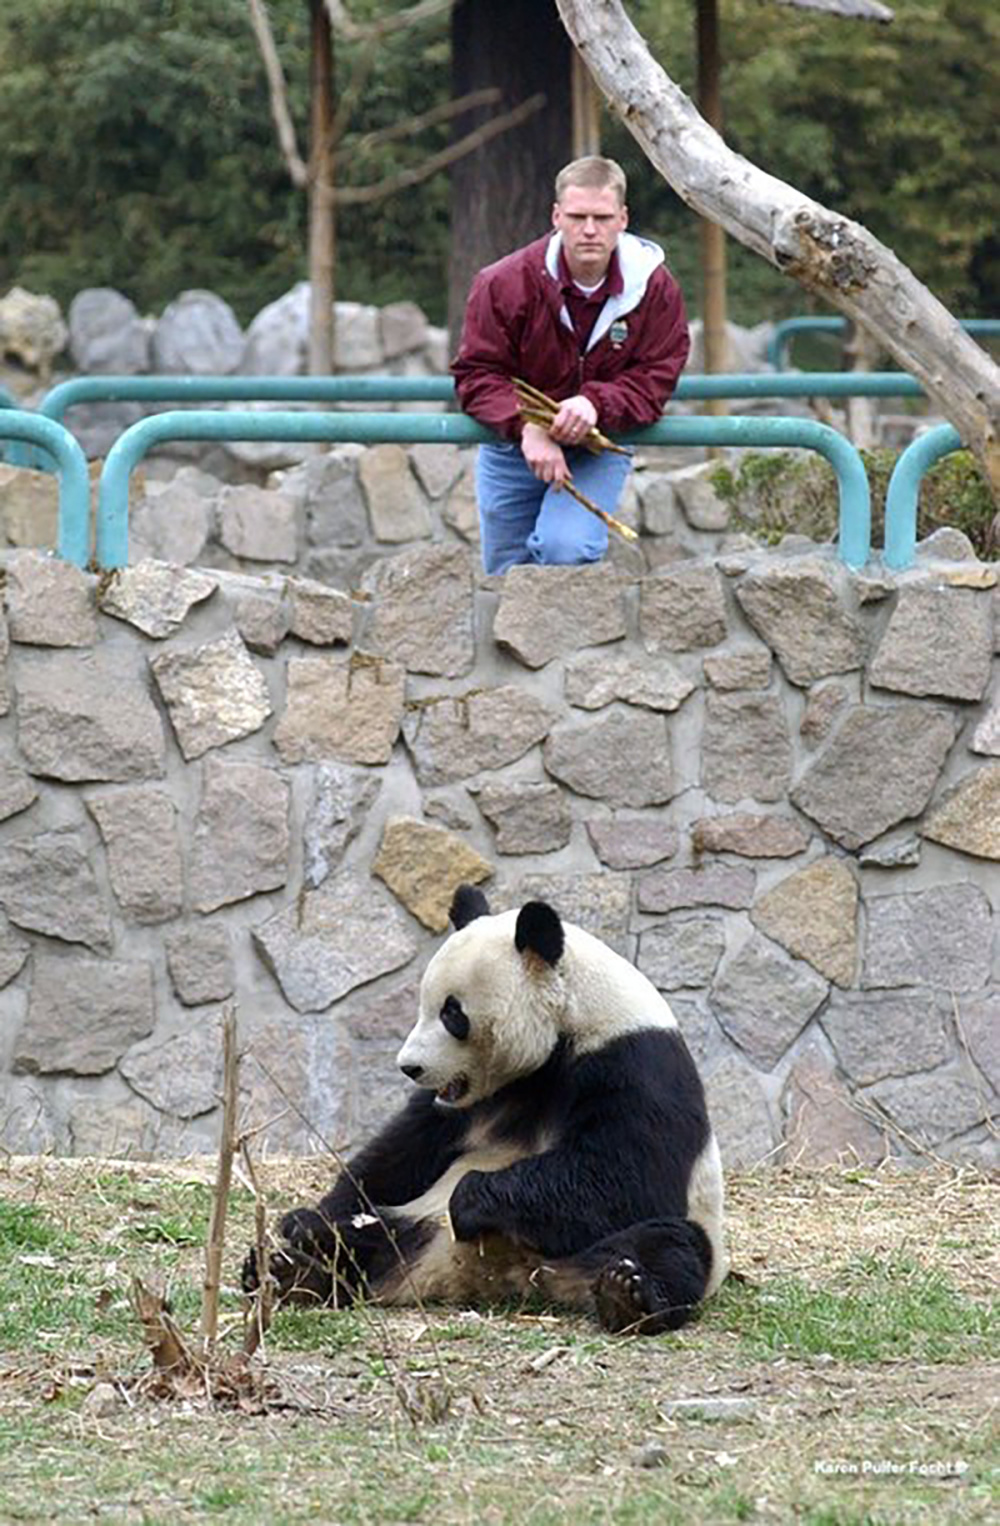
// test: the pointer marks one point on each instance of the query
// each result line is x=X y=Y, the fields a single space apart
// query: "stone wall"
x=774 y=785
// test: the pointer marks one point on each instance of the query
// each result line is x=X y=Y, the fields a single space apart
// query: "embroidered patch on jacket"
x=618 y=333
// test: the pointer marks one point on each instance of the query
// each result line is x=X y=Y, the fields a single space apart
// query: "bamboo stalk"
x=625 y=531
x=227 y=1148
x=541 y=409
x=536 y=407
x=259 y=1321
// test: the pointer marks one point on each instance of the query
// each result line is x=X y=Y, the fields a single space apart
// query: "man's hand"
x=576 y=415
x=543 y=455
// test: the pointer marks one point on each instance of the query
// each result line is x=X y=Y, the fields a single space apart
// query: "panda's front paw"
x=308 y=1230
x=295 y=1276
x=469 y=1208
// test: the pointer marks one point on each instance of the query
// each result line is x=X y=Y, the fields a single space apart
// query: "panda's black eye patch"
x=454 y=1019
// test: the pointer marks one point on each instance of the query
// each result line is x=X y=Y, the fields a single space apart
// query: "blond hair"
x=594 y=173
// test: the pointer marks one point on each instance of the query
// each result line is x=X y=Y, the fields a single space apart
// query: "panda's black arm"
x=559 y=1203
x=403 y=1160
x=634 y=1125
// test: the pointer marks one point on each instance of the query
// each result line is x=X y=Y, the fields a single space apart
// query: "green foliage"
x=137 y=151
x=894 y=126
x=776 y=494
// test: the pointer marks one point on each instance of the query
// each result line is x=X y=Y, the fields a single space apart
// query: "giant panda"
x=557 y=1141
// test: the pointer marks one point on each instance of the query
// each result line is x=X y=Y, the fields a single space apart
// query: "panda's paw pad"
x=622 y=1295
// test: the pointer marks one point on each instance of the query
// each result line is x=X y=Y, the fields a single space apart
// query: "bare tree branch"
x=355 y=31
x=453 y=108
x=361 y=195
x=284 y=126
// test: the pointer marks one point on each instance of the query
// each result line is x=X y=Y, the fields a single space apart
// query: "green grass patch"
x=24 y=1228
x=872 y=1311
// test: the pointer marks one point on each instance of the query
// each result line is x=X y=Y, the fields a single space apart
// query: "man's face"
x=590 y=222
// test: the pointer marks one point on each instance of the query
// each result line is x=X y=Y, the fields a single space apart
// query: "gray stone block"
x=939 y=937
x=422 y=615
x=852 y=790
x=200 y=962
x=682 y=608
x=240 y=843
x=623 y=757
x=879 y=1034
x=140 y=831
x=548 y=612
x=458 y=736
x=335 y=938
x=83 y=1014
x=48 y=885
x=797 y=607
x=763 y=1000
x=938 y=642
x=746 y=749
x=682 y=952
x=214 y=693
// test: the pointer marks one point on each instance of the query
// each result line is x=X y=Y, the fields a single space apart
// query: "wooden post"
x=713 y=239
x=322 y=226
x=586 y=110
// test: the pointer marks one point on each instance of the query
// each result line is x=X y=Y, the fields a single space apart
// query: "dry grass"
x=451 y=1416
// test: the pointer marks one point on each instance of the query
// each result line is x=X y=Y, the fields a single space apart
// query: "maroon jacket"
x=516 y=324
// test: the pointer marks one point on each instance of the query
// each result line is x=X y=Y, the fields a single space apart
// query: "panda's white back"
x=606 y=996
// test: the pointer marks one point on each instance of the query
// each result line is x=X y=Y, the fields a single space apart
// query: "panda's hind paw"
x=622 y=1296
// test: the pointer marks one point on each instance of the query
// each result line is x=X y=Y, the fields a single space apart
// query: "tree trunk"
x=501 y=194
x=322 y=228
x=837 y=259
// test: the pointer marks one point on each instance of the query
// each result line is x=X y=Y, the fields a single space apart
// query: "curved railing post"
x=854 y=533
x=331 y=428
x=457 y=429
x=74 y=482
x=785 y=331
x=903 y=493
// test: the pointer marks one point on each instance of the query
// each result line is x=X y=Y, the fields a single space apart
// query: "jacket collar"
x=637 y=259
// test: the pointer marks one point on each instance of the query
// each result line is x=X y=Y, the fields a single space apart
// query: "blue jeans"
x=524 y=520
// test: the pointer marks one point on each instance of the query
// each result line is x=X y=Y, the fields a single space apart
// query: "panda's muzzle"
x=450 y=1095
x=454 y=1092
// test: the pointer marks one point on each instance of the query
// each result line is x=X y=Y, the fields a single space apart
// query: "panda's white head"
x=491 y=1001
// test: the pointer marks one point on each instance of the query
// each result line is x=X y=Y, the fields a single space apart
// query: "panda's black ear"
x=539 y=931
x=467 y=904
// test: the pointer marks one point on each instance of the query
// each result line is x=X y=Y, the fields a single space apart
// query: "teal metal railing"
x=456 y=429
x=788 y=328
x=73 y=543
x=436 y=389
x=903 y=493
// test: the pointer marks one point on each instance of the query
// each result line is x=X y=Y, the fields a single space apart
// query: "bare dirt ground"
x=847 y=1374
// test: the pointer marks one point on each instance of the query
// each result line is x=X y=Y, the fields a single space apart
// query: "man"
x=590 y=315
